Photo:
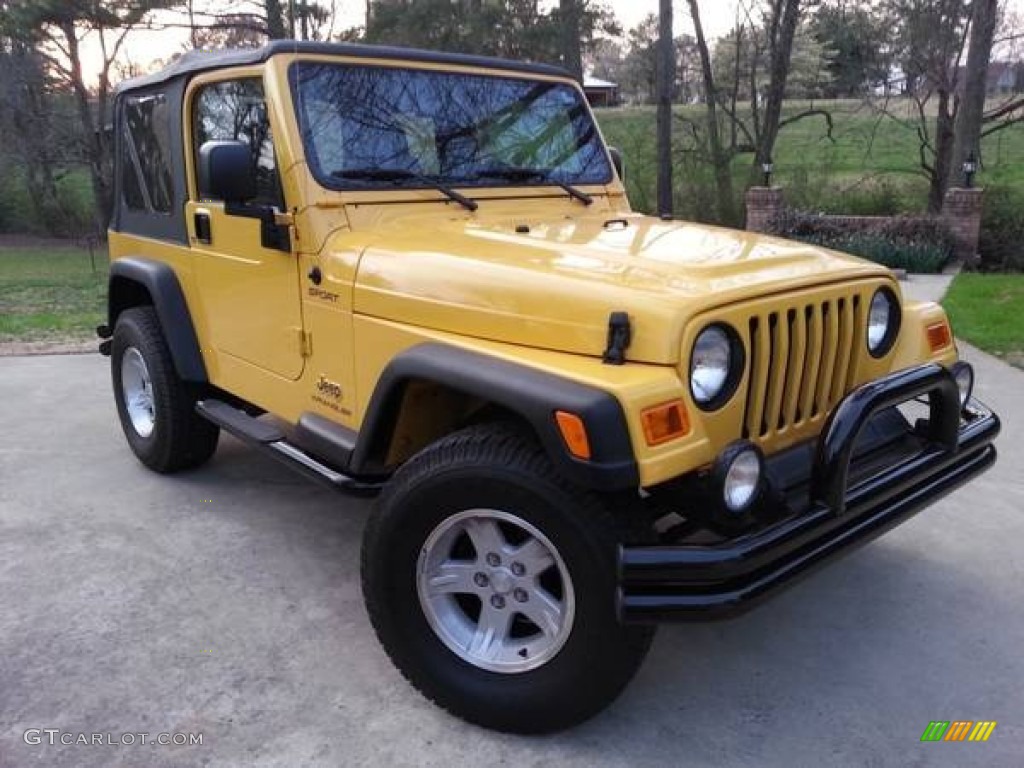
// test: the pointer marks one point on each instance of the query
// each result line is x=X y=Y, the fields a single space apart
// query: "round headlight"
x=738 y=479
x=883 y=322
x=711 y=366
x=742 y=481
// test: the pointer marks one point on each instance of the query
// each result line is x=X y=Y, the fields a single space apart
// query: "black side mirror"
x=226 y=172
x=618 y=163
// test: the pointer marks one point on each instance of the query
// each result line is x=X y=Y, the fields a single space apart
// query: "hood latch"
x=620 y=334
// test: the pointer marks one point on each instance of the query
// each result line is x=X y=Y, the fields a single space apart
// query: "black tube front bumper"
x=694 y=582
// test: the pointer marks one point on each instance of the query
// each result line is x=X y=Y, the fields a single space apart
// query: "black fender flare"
x=161 y=283
x=533 y=395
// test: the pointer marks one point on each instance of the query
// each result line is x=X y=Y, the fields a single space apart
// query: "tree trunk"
x=275 y=19
x=664 y=72
x=96 y=144
x=193 y=29
x=33 y=143
x=970 y=115
x=720 y=159
x=787 y=18
x=572 y=46
x=943 y=152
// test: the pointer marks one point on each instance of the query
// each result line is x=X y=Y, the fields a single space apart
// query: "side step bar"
x=272 y=441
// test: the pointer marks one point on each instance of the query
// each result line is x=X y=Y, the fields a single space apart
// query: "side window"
x=236 y=110
x=145 y=170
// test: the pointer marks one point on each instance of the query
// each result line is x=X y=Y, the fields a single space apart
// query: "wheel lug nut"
x=480 y=579
x=498 y=601
x=493 y=560
x=518 y=569
x=520 y=595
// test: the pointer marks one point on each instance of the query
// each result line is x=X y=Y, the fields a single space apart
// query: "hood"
x=553 y=283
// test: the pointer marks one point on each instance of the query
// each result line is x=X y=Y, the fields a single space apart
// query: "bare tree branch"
x=814 y=112
x=1002 y=111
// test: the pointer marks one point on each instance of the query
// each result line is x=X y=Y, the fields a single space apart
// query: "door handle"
x=204 y=229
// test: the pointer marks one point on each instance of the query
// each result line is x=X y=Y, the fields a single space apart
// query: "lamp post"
x=768 y=167
x=970 y=169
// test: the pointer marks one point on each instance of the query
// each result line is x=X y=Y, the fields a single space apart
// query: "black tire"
x=180 y=438
x=498 y=467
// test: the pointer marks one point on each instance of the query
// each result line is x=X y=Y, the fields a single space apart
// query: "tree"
x=763 y=44
x=55 y=30
x=781 y=24
x=665 y=78
x=512 y=28
x=640 y=62
x=570 y=12
x=740 y=64
x=858 y=39
x=971 y=113
x=242 y=23
x=721 y=160
x=521 y=29
x=932 y=38
x=40 y=131
x=636 y=69
x=605 y=60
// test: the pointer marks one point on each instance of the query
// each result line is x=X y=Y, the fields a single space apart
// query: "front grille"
x=803 y=361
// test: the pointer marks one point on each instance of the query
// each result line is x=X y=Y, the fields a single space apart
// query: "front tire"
x=156 y=408
x=491 y=584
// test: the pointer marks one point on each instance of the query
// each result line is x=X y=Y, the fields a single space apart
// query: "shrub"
x=1002 y=231
x=818 y=190
x=873 y=199
x=69 y=215
x=15 y=207
x=914 y=244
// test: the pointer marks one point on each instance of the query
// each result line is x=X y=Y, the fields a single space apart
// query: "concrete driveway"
x=226 y=602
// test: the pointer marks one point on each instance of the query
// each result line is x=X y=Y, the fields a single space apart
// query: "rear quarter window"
x=146 y=181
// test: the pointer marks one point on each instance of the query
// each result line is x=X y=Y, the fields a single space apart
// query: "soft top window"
x=146 y=179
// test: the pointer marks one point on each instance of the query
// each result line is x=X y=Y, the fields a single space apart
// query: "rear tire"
x=455 y=609
x=156 y=408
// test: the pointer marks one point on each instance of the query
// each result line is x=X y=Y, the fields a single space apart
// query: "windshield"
x=373 y=127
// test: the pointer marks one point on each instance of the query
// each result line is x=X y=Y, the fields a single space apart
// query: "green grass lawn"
x=988 y=311
x=872 y=166
x=51 y=293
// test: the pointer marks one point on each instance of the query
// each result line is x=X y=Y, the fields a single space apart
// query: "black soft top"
x=203 y=61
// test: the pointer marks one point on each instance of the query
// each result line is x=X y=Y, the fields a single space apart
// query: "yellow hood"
x=555 y=285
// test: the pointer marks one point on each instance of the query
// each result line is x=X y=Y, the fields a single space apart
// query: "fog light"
x=964 y=375
x=739 y=473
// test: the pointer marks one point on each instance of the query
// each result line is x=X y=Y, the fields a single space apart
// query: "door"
x=250 y=293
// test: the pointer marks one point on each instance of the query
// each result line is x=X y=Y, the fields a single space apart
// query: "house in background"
x=1003 y=78
x=600 y=93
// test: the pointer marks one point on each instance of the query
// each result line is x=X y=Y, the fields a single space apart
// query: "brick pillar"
x=764 y=207
x=961 y=212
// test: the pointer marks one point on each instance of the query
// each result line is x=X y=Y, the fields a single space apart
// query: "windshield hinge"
x=305 y=342
x=620 y=334
x=284 y=219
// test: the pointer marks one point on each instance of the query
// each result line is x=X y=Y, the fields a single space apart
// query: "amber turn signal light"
x=939 y=336
x=664 y=422
x=574 y=433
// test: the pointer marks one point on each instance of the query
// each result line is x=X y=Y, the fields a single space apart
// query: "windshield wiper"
x=397 y=174
x=512 y=173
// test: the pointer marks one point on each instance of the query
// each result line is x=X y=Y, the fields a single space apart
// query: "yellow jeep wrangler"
x=418 y=274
